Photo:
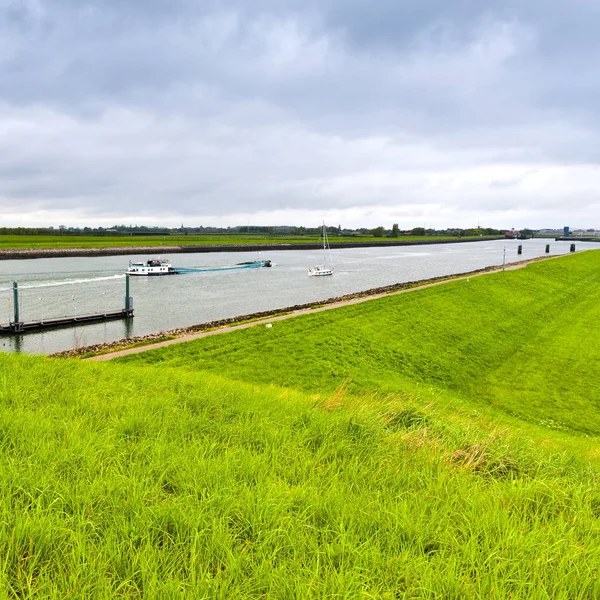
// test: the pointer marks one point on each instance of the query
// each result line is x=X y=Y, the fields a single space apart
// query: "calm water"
x=55 y=287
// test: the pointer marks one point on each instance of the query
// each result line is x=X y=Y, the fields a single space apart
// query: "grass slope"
x=117 y=481
x=524 y=341
x=330 y=456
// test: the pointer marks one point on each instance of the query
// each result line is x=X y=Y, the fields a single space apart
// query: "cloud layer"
x=359 y=113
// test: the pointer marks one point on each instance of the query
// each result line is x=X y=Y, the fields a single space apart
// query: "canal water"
x=57 y=287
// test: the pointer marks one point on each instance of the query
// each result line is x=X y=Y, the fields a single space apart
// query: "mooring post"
x=16 y=300
x=127 y=296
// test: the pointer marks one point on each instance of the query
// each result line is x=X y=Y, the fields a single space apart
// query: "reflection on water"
x=127 y=328
x=55 y=287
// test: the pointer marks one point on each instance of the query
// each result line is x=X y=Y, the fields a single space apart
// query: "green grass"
x=394 y=449
x=80 y=241
x=147 y=483
x=126 y=344
x=522 y=341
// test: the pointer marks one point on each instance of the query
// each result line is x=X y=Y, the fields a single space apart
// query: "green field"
x=8 y=242
x=441 y=443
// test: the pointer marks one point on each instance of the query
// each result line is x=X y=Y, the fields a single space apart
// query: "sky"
x=359 y=113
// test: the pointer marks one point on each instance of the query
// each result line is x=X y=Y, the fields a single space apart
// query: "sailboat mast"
x=326 y=244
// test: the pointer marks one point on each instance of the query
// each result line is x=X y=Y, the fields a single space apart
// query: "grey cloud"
x=216 y=108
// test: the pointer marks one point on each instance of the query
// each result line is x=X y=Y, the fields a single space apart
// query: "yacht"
x=322 y=270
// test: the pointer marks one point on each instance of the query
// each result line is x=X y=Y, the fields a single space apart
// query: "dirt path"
x=304 y=311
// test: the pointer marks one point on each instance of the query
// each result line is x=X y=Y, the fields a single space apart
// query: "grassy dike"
x=436 y=444
x=11 y=242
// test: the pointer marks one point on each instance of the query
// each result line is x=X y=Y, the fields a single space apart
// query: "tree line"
x=292 y=230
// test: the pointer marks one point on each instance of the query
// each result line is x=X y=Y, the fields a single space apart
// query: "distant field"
x=78 y=241
x=438 y=444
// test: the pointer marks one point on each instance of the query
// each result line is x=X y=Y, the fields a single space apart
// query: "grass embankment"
x=525 y=342
x=8 y=242
x=373 y=451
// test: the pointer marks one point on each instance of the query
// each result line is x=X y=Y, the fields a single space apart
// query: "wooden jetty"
x=25 y=326
x=18 y=326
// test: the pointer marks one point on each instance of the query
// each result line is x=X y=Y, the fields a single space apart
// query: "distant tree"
x=378 y=231
x=395 y=230
x=418 y=231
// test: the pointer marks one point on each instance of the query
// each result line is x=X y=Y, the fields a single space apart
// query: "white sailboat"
x=322 y=270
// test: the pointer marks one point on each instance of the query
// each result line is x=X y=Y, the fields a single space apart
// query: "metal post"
x=127 y=299
x=16 y=300
x=504 y=260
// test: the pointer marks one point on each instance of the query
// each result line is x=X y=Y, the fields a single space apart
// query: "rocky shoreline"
x=31 y=253
x=182 y=331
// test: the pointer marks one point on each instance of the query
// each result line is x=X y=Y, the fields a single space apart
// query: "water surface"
x=54 y=287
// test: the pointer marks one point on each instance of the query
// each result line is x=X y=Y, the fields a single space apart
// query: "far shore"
x=32 y=253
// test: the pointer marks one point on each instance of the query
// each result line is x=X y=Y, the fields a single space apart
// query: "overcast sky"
x=446 y=113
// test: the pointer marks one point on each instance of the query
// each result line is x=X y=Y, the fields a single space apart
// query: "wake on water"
x=45 y=284
x=82 y=280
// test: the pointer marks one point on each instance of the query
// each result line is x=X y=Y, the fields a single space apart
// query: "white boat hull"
x=152 y=267
x=148 y=273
